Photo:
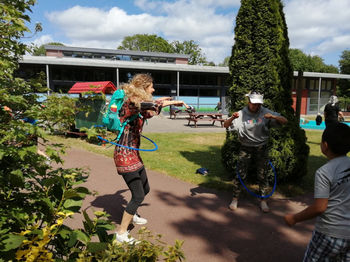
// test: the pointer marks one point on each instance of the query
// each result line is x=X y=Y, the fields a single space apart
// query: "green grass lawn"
x=180 y=154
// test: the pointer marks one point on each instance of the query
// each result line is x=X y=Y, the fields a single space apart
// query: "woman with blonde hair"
x=128 y=161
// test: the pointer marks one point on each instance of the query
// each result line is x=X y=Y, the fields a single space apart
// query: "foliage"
x=58 y=113
x=192 y=49
x=145 y=42
x=150 y=248
x=308 y=63
x=260 y=61
x=35 y=198
x=344 y=84
x=225 y=62
x=154 y=43
x=41 y=51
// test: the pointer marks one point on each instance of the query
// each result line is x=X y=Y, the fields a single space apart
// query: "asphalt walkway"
x=197 y=215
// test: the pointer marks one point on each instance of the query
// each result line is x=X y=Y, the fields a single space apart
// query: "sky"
x=317 y=27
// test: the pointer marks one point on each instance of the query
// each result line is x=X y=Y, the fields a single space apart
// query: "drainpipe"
x=117 y=72
x=178 y=86
x=299 y=90
x=47 y=80
x=319 y=95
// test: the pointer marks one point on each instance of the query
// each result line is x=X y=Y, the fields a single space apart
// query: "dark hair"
x=337 y=136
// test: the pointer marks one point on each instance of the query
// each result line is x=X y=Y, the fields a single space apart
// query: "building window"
x=161 y=92
x=208 y=92
x=189 y=92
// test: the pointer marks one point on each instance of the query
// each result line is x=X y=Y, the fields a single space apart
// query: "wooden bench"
x=174 y=113
x=211 y=117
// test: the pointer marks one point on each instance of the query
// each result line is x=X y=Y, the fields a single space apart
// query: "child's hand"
x=289 y=219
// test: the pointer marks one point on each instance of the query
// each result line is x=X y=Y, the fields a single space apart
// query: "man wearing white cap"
x=252 y=124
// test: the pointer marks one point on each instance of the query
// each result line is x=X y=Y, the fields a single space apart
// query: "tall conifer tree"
x=260 y=62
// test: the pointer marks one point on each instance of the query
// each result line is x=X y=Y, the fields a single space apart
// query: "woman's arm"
x=175 y=103
x=280 y=119
x=228 y=121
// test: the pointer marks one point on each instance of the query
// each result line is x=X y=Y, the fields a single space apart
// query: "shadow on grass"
x=210 y=159
x=219 y=178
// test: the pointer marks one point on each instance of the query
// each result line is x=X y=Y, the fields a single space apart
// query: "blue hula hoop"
x=254 y=194
x=132 y=148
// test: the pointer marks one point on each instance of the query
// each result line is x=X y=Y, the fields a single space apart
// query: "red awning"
x=106 y=87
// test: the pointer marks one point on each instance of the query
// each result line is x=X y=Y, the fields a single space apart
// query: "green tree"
x=154 y=43
x=260 y=61
x=226 y=61
x=145 y=42
x=344 y=84
x=192 y=49
x=307 y=63
x=41 y=51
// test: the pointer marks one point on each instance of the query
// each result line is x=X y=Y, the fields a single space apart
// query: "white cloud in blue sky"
x=318 y=27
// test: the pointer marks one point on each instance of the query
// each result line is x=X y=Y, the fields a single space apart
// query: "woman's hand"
x=175 y=103
x=228 y=121
x=166 y=98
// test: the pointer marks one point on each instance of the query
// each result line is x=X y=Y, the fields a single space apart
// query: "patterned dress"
x=129 y=160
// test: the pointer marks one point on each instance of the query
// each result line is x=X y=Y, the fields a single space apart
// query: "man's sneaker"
x=233 y=205
x=264 y=207
x=139 y=220
x=125 y=237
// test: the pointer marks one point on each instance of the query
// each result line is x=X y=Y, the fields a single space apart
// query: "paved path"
x=199 y=216
x=163 y=124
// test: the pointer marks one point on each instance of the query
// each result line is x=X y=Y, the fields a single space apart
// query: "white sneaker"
x=234 y=204
x=136 y=219
x=264 y=207
x=125 y=237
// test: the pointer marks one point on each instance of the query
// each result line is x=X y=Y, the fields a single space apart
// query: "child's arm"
x=317 y=208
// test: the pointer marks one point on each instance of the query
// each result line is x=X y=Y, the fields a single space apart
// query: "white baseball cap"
x=255 y=98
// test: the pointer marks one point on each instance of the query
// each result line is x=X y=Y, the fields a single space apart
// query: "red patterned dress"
x=128 y=160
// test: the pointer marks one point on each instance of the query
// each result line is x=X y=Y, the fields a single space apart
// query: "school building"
x=200 y=86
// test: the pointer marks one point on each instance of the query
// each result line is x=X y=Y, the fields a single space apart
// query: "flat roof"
x=71 y=61
x=323 y=75
x=114 y=51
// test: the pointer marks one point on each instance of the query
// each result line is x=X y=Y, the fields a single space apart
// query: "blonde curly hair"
x=135 y=90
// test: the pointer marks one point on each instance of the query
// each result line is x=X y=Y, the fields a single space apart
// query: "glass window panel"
x=207 y=92
x=188 y=92
x=312 y=84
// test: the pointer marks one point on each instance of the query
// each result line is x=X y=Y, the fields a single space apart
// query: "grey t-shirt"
x=253 y=128
x=332 y=181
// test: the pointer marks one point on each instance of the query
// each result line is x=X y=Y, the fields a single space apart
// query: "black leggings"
x=138 y=184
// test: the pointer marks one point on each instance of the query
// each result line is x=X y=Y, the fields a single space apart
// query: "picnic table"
x=176 y=111
x=211 y=117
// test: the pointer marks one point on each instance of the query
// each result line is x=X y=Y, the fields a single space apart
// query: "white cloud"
x=180 y=20
x=314 y=26
x=86 y=23
x=44 y=39
x=334 y=44
x=318 y=26
x=161 y=6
